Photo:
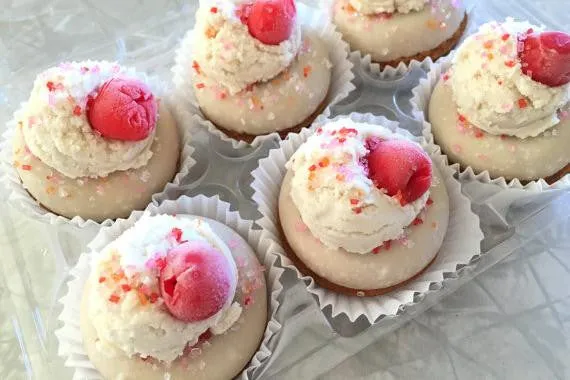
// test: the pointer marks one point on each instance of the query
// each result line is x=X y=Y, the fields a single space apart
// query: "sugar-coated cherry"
x=123 y=109
x=545 y=57
x=270 y=21
x=196 y=281
x=399 y=167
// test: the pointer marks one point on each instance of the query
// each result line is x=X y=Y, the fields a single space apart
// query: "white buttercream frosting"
x=337 y=201
x=493 y=93
x=135 y=321
x=387 y=6
x=56 y=128
x=226 y=52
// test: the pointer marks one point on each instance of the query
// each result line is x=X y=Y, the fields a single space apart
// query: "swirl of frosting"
x=225 y=50
x=125 y=304
x=368 y=7
x=337 y=200
x=56 y=128
x=492 y=92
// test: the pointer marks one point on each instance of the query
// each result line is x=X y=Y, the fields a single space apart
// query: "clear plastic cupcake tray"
x=509 y=217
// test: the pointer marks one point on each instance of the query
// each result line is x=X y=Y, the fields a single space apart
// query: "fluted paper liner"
x=460 y=246
x=70 y=337
x=420 y=103
x=185 y=99
x=20 y=197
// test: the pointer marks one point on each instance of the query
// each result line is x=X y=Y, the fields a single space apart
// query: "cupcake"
x=362 y=209
x=174 y=297
x=94 y=140
x=255 y=69
x=502 y=105
x=394 y=31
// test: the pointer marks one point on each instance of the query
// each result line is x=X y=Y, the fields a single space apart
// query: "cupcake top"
x=358 y=186
x=439 y=8
x=511 y=78
x=387 y=6
x=239 y=43
x=161 y=285
x=89 y=119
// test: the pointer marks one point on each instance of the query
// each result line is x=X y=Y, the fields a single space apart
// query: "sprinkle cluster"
x=250 y=279
x=112 y=275
x=113 y=278
x=338 y=164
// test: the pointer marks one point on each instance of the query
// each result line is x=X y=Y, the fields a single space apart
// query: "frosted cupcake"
x=362 y=209
x=94 y=141
x=502 y=106
x=170 y=299
x=256 y=69
x=394 y=31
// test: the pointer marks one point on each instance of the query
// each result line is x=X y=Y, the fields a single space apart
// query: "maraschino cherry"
x=123 y=109
x=270 y=21
x=545 y=57
x=196 y=281
x=399 y=167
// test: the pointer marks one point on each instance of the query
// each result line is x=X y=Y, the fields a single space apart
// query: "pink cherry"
x=399 y=167
x=270 y=21
x=196 y=281
x=123 y=109
x=545 y=57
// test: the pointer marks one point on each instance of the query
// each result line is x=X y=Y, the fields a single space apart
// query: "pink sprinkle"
x=31 y=121
x=233 y=244
x=241 y=263
x=457 y=148
x=156 y=262
x=300 y=226
x=461 y=128
x=306 y=46
x=228 y=45
x=563 y=115
x=332 y=144
x=221 y=95
x=248 y=301
x=481 y=156
x=507 y=106
x=95 y=69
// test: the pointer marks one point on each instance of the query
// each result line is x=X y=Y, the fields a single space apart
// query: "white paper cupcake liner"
x=460 y=246
x=341 y=79
x=70 y=337
x=388 y=71
x=22 y=200
x=420 y=103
